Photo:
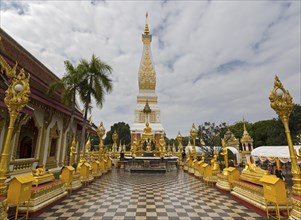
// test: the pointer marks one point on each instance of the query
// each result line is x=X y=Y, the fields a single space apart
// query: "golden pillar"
x=281 y=102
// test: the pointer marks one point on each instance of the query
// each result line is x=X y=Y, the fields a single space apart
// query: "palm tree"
x=95 y=83
x=69 y=85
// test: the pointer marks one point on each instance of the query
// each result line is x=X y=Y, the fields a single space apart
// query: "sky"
x=215 y=60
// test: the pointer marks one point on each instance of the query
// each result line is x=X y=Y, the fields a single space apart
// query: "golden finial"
x=146 y=29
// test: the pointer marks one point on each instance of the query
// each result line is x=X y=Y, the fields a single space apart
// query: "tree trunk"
x=88 y=101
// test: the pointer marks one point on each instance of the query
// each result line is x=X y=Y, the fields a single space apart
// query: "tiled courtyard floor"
x=122 y=195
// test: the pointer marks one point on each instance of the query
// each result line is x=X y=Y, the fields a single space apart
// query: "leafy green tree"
x=95 y=83
x=295 y=123
x=69 y=87
x=211 y=134
x=124 y=134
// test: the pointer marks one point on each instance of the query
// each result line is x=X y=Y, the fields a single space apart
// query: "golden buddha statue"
x=214 y=163
x=38 y=171
x=147 y=129
x=253 y=174
x=81 y=161
x=41 y=176
x=162 y=146
x=72 y=152
x=134 y=148
x=225 y=153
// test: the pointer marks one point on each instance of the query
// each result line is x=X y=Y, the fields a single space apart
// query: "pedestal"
x=223 y=182
x=252 y=195
x=44 y=195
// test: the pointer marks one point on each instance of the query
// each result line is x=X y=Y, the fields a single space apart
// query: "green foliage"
x=212 y=133
x=124 y=134
x=94 y=83
x=94 y=142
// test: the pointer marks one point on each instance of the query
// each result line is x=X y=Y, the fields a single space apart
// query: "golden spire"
x=146 y=29
x=146 y=36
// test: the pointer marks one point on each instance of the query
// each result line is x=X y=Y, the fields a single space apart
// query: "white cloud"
x=215 y=61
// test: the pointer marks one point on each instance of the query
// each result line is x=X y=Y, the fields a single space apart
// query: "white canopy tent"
x=270 y=153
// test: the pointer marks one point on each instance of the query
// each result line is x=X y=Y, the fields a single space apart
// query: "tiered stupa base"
x=252 y=195
x=44 y=195
x=223 y=182
x=296 y=211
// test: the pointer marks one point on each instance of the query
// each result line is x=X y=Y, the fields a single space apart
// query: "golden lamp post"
x=281 y=102
x=100 y=133
x=16 y=97
x=193 y=134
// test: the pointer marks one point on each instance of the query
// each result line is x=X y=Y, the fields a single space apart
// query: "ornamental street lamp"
x=281 y=102
x=16 y=97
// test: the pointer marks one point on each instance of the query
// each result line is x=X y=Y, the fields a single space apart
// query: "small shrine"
x=247 y=145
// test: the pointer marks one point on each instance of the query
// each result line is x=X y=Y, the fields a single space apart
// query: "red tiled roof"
x=40 y=76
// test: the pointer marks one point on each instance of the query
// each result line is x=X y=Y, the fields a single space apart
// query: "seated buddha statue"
x=147 y=129
x=38 y=171
x=41 y=176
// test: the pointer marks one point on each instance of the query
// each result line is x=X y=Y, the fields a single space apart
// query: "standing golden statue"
x=72 y=152
x=114 y=146
x=180 y=148
x=225 y=153
x=162 y=146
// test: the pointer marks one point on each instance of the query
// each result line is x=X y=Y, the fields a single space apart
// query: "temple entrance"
x=28 y=138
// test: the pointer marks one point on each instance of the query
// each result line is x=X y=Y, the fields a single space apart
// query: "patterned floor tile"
x=122 y=195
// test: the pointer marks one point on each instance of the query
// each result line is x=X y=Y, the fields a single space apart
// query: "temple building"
x=41 y=129
x=147 y=109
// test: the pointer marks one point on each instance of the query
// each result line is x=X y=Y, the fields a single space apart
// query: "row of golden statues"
x=260 y=187
x=254 y=185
